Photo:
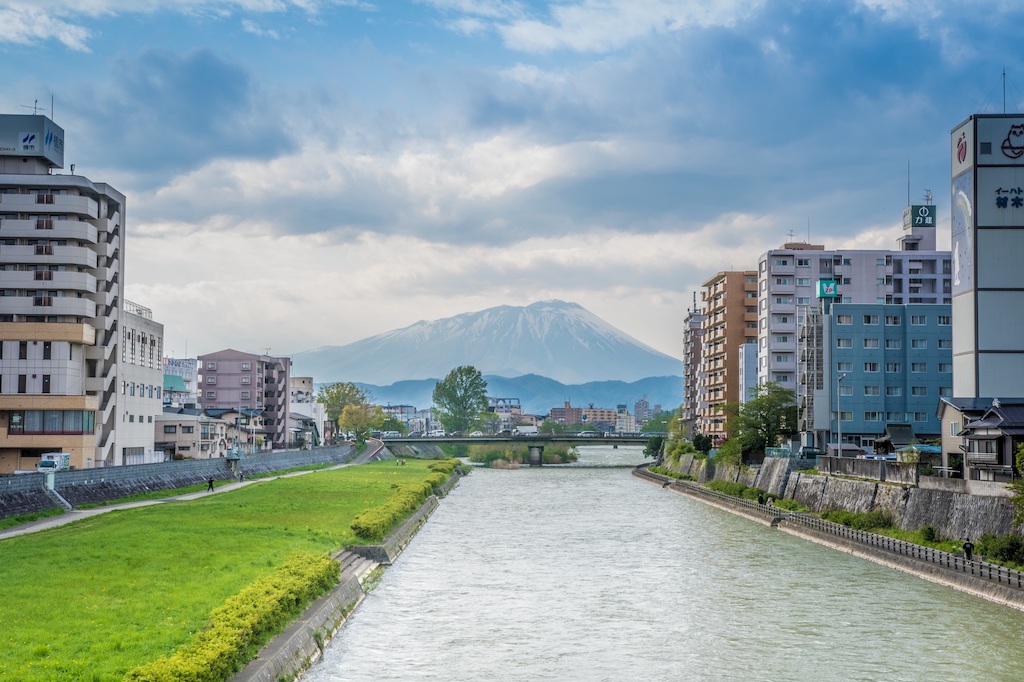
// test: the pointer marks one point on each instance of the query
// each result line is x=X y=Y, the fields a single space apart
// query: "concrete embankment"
x=988 y=581
x=292 y=652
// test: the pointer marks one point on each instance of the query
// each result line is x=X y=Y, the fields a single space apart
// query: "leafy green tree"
x=662 y=422
x=551 y=427
x=460 y=398
x=360 y=419
x=1017 y=487
x=702 y=443
x=768 y=413
x=393 y=423
x=337 y=395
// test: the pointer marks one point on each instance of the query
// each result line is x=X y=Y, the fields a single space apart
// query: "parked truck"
x=525 y=430
x=54 y=461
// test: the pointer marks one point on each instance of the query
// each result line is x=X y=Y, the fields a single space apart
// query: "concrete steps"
x=353 y=564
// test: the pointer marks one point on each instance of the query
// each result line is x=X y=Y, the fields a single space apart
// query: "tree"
x=460 y=398
x=360 y=419
x=768 y=413
x=335 y=397
x=393 y=423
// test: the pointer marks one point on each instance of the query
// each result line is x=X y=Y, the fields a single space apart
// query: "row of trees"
x=460 y=403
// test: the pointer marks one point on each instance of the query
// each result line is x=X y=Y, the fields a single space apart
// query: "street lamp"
x=839 y=410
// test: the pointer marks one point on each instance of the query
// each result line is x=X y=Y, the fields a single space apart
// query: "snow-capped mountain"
x=562 y=341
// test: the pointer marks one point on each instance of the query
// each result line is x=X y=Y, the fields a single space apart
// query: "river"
x=576 y=573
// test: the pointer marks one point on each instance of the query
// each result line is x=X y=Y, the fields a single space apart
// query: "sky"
x=305 y=173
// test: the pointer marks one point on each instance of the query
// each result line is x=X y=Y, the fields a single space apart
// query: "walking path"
x=369 y=454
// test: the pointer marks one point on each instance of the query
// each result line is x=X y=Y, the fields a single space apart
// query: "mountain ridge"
x=553 y=339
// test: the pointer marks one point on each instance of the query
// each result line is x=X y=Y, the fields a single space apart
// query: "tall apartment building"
x=730 y=320
x=140 y=380
x=62 y=309
x=693 y=396
x=788 y=279
x=233 y=379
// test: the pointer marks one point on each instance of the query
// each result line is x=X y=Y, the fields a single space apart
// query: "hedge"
x=375 y=522
x=244 y=622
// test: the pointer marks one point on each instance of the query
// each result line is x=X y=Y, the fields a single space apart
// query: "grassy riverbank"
x=97 y=598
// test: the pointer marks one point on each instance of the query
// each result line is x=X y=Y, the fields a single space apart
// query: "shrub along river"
x=576 y=573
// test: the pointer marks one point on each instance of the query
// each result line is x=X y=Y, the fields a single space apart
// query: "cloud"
x=28 y=25
x=168 y=112
x=252 y=27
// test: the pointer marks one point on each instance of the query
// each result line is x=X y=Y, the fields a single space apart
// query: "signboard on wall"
x=32 y=136
x=827 y=288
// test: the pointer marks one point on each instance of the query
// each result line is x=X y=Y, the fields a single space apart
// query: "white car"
x=476 y=434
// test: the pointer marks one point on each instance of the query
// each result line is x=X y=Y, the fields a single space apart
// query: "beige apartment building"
x=730 y=320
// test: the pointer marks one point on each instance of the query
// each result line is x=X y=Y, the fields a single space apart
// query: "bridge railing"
x=936 y=557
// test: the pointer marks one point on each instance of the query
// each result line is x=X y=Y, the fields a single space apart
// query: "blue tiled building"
x=873 y=365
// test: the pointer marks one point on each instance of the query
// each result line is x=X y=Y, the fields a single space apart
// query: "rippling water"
x=590 y=574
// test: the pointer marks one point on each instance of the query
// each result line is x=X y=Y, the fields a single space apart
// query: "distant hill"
x=553 y=339
x=537 y=394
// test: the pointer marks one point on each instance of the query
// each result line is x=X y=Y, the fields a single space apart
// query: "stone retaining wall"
x=387 y=551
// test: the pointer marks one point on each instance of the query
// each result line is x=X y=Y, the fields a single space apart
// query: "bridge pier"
x=536 y=455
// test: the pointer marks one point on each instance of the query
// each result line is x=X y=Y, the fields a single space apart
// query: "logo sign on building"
x=35 y=136
x=919 y=216
x=827 y=288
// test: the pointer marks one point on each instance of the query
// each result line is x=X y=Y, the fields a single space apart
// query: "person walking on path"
x=968 y=550
x=241 y=476
x=209 y=485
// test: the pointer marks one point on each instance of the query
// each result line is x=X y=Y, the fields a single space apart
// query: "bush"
x=374 y=523
x=790 y=505
x=929 y=534
x=1002 y=549
x=662 y=471
x=244 y=621
x=859 y=520
x=753 y=493
x=734 y=488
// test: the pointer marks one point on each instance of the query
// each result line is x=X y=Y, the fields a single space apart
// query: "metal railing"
x=980 y=569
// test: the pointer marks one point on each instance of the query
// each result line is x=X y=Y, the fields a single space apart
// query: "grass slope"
x=94 y=599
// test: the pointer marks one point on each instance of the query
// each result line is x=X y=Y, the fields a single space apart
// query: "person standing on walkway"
x=209 y=485
x=968 y=550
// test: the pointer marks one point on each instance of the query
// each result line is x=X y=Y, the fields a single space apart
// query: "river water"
x=576 y=573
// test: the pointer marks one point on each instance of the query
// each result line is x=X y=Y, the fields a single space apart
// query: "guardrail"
x=936 y=557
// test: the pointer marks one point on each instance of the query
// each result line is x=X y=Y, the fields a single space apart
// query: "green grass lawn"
x=96 y=598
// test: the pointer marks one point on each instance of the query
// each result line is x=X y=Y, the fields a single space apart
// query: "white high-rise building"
x=62 y=309
x=788 y=280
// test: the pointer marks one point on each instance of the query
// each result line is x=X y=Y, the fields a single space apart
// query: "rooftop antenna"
x=928 y=197
x=1004 y=89
x=808 y=229
x=35 y=107
x=790 y=235
x=908 y=182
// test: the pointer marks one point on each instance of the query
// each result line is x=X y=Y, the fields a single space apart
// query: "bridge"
x=534 y=444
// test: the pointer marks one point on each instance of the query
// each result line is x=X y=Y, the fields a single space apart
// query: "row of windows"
x=894 y=367
x=22 y=380
x=895 y=344
x=212 y=366
x=893 y=391
x=144 y=390
x=173 y=428
x=891 y=417
x=896 y=320
x=40 y=349
x=63 y=422
x=212 y=395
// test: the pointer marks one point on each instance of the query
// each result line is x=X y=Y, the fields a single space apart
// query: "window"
x=211 y=365
x=871 y=343
x=782 y=261
x=870 y=366
x=783 y=300
x=188 y=429
x=246 y=366
x=945 y=344
x=919 y=367
x=919 y=320
x=879 y=261
x=893 y=320
x=23 y=350
x=895 y=417
x=803 y=262
x=847 y=280
x=845 y=390
x=919 y=344
x=918 y=391
x=211 y=394
x=844 y=366
x=946 y=367
x=871 y=319
x=945 y=320
x=871 y=391
x=893 y=391
x=893 y=344
x=844 y=319
x=47 y=350
x=803 y=300
x=782 y=338
x=782 y=280
x=246 y=380
x=846 y=416
x=872 y=416
x=954 y=428
x=920 y=416
x=211 y=381
x=781 y=378
x=894 y=367
x=170 y=428
x=844 y=343
x=945 y=391
x=245 y=395
x=46 y=383
x=803 y=281
x=22 y=383
x=780 y=319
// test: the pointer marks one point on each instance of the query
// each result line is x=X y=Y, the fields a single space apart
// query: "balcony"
x=46 y=254
x=51 y=203
x=48 y=305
